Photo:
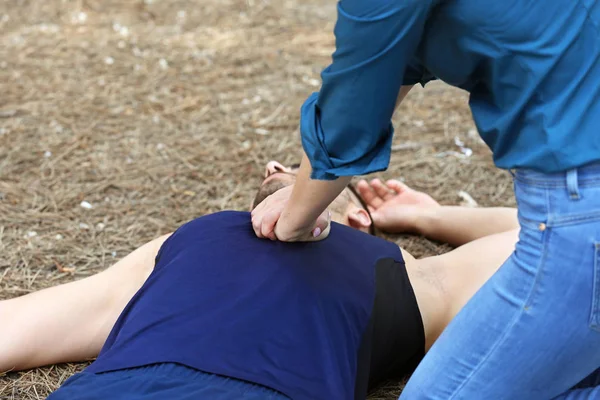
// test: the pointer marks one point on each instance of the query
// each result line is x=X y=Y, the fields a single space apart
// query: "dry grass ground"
x=157 y=112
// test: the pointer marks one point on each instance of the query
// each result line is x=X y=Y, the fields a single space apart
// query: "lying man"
x=212 y=312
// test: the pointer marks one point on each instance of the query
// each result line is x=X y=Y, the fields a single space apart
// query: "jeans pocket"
x=595 y=313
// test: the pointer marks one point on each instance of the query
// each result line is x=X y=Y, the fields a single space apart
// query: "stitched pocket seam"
x=573 y=219
x=594 y=314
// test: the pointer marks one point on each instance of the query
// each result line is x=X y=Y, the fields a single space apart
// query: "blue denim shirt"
x=532 y=69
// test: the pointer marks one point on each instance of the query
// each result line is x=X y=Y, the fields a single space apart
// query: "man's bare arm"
x=396 y=208
x=460 y=225
x=71 y=322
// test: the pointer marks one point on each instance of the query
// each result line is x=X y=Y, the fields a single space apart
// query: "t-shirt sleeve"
x=398 y=338
x=346 y=128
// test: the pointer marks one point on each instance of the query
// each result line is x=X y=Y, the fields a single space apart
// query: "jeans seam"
x=594 y=325
x=574 y=219
x=528 y=300
x=540 y=267
x=545 y=239
x=583 y=182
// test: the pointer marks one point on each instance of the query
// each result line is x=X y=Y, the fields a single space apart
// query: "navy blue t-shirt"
x=289 y=316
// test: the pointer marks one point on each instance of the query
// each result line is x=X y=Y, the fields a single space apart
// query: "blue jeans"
x=533 y=330
x=163 y=381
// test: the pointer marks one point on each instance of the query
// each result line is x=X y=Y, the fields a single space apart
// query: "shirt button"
x=542 y=227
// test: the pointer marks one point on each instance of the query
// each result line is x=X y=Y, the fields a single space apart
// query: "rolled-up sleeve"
x=346 y=128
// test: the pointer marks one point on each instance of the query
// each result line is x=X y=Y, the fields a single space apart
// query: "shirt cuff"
x=349 y=161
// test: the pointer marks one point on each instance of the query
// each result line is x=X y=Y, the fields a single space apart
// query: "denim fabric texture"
x=533 y=330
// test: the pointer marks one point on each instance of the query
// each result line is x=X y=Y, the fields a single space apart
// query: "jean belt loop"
x=573 y=184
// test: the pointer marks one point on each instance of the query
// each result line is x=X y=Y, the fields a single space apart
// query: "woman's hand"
x=394 y=206
x=270 y=220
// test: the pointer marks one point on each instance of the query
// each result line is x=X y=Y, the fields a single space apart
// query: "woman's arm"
x=296 y=213
x=346 y=128
x=303 y=213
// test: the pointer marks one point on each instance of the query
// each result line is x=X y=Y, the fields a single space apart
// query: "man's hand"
x=270 y=220
x=394 y=206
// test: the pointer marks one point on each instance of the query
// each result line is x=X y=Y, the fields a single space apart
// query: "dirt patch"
x=120 y=120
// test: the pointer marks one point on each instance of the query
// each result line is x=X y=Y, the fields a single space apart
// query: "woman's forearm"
x=310 y=197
